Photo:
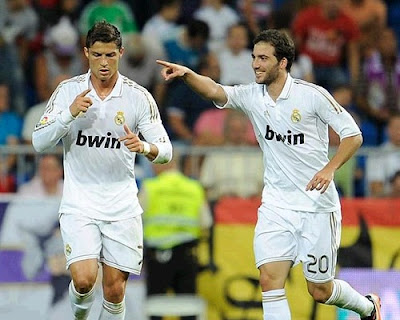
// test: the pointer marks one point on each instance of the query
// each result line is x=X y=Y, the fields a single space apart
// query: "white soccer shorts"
x=118 y=244
x=298 y=236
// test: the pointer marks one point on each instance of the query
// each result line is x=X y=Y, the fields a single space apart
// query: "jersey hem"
x=304 y=209
x=81 y=258
x=122 y=268
x=319 y=281
x=276 y=259
x=102 y=218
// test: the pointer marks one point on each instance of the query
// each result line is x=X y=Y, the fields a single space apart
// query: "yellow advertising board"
x=370 y=239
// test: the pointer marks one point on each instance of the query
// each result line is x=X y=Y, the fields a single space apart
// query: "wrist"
x=146 y=148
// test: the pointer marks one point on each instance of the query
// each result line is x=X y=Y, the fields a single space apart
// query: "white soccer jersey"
x=99 y=170
x=293 y=134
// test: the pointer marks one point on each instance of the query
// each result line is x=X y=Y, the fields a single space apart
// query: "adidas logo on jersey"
x=289 y=138
x=98 y=141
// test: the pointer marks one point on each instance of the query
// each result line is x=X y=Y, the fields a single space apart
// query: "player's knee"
x=320 y=292
x=269 y=282
x=114 y=292
x=84 y=283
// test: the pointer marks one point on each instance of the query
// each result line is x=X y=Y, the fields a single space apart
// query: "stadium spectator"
x=190 y=46
x=184 y=106
x=298 y=194
x=10 y=122
x=378 y=92
x=31 y=222
x=235 y=53
x=324 y=32
x=209 y=129
x=138 y=65
x=222 y=180
x=10 y=135
x=60 y=59
x=50 y=12
x=113 y=11
x=176 y=214
x=163 y=26
x=219 y=17
x=395 y=185
x=371 y=18
x=48 y=181
x=385 y=162
x=17 y=30
x=302 y=67
x=256 y=13
x=8 y=182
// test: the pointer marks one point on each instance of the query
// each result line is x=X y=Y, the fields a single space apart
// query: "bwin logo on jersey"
x=289 y=138
x=98 y=141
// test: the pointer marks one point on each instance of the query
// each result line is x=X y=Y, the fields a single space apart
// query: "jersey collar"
x=116 y=92
x=286 y=88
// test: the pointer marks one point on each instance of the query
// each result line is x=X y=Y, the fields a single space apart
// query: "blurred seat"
x=176 y=305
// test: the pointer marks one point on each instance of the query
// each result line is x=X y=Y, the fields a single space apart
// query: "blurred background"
x=348 y=46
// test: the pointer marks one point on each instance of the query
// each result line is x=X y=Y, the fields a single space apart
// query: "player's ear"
x=121 y=51
x=283 y=63
x=86 y=51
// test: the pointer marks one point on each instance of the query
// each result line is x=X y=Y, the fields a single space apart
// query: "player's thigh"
x=81 y=237
x=123 y=244
x=274 y=236
x=114 y=281
x=319 y=244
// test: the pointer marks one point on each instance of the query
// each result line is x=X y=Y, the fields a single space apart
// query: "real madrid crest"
x=296 y=116
x=119 y=119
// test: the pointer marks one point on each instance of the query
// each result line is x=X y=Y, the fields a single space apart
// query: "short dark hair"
x=283 y=44
x=104 y=32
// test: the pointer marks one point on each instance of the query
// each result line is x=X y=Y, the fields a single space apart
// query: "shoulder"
x=72 y=85
x=245 y=89
x=311 y=92
x=194 y=184
x=133 y=87
x=309 y=88
x=136 y=91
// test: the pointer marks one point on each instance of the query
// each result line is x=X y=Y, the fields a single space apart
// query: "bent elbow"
x=38 y=145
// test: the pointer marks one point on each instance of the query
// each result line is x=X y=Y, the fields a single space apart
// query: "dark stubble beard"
x=272 y=75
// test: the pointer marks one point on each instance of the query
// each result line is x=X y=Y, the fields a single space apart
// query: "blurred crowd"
x=348 y=46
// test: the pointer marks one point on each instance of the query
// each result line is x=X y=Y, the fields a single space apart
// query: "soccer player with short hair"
x=299 y=219
x=98 y=116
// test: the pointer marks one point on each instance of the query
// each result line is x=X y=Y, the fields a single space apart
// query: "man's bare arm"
x=202 y=85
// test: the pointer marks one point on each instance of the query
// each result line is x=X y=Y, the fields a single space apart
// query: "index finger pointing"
x=163 y=63
x=127 y=130
x=84 y=93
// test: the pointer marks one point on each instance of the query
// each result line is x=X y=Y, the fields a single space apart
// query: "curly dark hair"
x=104 y=32
x=283 y=44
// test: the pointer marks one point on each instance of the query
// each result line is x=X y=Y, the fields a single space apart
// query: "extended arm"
x=202 y=85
